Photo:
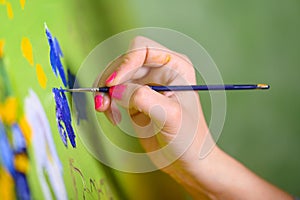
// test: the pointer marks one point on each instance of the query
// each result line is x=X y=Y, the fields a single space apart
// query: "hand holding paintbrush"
x=171 y=126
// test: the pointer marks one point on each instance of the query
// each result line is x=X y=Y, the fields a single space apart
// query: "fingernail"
x=98 y=101
x=111 y=77
x=117 y=91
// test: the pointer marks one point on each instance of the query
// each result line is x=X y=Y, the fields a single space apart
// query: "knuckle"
x=126 y=59
x=139 y=95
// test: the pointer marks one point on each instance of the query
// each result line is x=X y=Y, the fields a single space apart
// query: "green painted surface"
x=256 y=41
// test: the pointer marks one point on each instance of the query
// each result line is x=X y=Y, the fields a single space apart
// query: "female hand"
x=171 y=124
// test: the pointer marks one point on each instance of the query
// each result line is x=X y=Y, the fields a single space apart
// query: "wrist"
x=197 y=174
x=219 y=176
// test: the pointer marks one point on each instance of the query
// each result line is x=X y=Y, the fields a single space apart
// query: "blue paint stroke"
x=19 y=143
x=63 y=114
x=80 y=99
x=22 y=186
x=63 y=117
x=6 y=153
x=55 y=56
x=7 y=160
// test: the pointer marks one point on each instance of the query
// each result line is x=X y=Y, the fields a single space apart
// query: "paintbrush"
x=161 y=88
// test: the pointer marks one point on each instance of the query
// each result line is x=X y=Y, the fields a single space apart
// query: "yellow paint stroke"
x=22 y=2
x=42 y=78
x=26 y=48
x=7 y=189
x=8 y=110
x=21 y=163
x=10 y=12
x=2 y=1
x=2 y=42
x=168 y=58
x=26 y=129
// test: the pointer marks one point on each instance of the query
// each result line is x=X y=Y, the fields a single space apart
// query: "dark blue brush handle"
x=204 y=87
x=198 y=87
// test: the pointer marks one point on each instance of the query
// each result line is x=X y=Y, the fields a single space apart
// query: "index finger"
x=145 y=52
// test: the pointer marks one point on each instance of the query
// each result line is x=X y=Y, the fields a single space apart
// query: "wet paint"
x=26 y=48
x=47 y=163
x=19 y=143
x=22 y=187
x=21 y=163
x=22 y=3
x=9 y=160
x=9 y=10
x=42 y=78
x=63 y=117
x=8 y=110
x=63 y=114
x=55 y=56
x=6 y=152
x=2 y=42
x=7 y=189
x=25 y=129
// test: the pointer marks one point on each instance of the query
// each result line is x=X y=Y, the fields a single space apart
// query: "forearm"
x=218 y=176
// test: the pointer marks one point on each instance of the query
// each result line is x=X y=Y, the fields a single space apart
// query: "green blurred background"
x=250 y=41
